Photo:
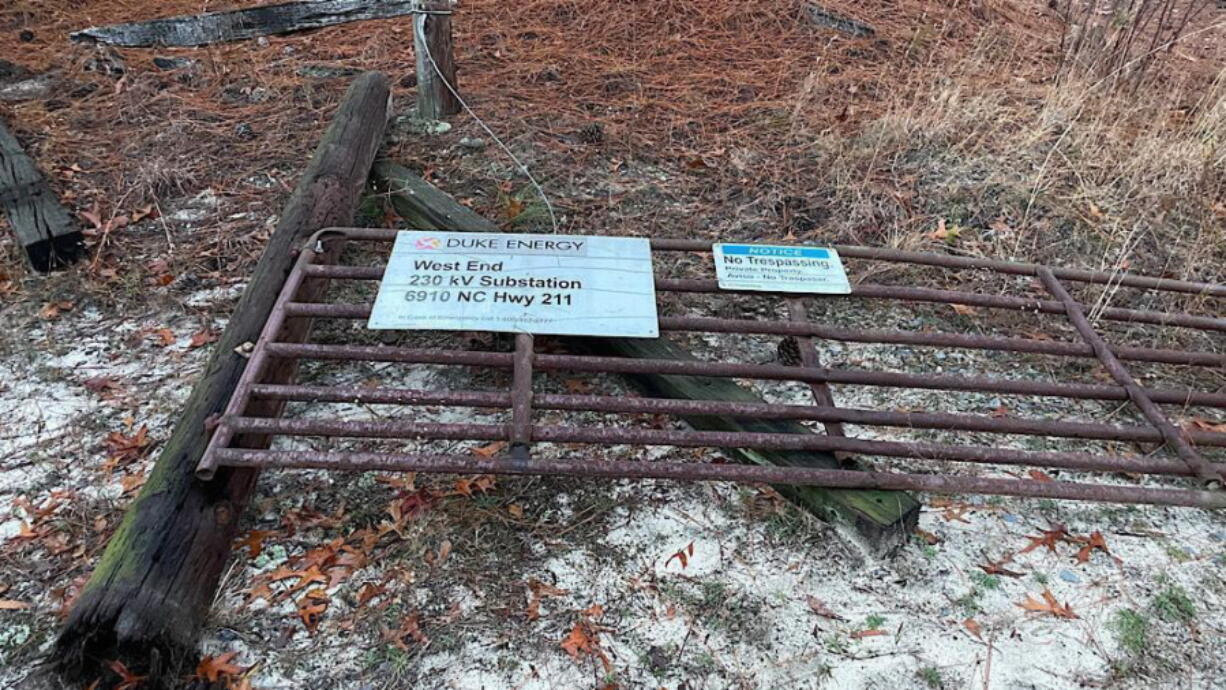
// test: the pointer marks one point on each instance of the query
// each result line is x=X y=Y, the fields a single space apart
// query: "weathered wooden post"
x=43 y=228
x=435 y=60
x=148 y=595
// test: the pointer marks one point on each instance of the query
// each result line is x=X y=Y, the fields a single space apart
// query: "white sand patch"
x=737 y=613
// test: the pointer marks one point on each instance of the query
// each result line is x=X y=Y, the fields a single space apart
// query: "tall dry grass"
x=1073 y=171
x=1119 y=40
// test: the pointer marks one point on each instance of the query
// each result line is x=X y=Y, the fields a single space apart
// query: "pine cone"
x=788 y=352
x=592 y=134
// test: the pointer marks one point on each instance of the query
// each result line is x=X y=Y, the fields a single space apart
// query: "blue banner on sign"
x=764 y=250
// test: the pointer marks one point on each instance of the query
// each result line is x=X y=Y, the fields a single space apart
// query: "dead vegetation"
x=993 y=116
x=988 y=127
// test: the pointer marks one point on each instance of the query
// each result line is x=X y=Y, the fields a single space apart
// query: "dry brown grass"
x=1074 y=174
x=1119 y=40
x=764 y=125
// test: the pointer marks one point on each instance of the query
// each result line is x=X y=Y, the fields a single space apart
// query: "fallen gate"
x=1181 y=452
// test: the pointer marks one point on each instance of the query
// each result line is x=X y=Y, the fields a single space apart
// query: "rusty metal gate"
x=255 y=413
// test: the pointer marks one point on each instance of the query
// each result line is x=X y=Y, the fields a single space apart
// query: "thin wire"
x=420 y=30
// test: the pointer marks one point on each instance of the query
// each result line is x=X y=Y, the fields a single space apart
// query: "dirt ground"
x=956 y=127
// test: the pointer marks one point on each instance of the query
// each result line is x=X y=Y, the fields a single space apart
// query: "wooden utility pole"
x=435 y=61
x=147 y=598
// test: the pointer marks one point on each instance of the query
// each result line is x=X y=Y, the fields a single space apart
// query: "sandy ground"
x=447 y=590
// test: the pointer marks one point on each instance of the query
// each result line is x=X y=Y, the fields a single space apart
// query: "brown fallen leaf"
x=127 y=679
x=13 y=605
x=306 y=578
x=254 y=541
x=583 y=641
x=412 y=627
x=490 y=450
x=1049 y=606
x=163 y=337
x=467 y=486
x=122 y=449
x=964 y=310
x=972 y=626
x=132 y=482
x=874 y=632
x=1095 y=542
x=415 y=504
x=406 y=482
x=1049 y=538
x=1202 y=424
x=537 y=590
x=100 y=384
x=927 y=537
x=24 y=531
x=260 y=591
x=444 y=550
x=998 y=568
x=512 y=207
x=944 y=233
x=1040 y=476
x=368 y=592
x=202 y=338
x=93 y=216
x=148 y=211
x=577 y=386
x=696 y=163
x=516 y=511
x=214 y=669
x=311 y=607
x=52 y=310
x=819 y=607
x=956 y=512
x=683 y=556
x=577 y=641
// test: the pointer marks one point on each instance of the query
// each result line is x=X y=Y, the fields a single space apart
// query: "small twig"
x=987 y=668
x=582 y=522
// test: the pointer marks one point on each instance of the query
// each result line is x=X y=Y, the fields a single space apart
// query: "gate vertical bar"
x=521 y=396
x=810 y=359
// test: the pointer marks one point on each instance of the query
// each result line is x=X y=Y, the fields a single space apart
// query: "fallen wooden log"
x=148 y=595
x=237 y=25
x=881 y=519
x=44 y=228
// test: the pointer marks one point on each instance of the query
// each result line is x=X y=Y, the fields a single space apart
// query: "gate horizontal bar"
x=679 y=407
x=613 y=469
x=397 y=429
x=778 y=372
x=873 y=291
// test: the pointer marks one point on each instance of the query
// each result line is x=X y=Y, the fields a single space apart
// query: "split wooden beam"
x=251 y=22
x=44 y=228
x=881 y=520
x=148 y=596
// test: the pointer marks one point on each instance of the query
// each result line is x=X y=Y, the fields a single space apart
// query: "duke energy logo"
x=428 y=243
